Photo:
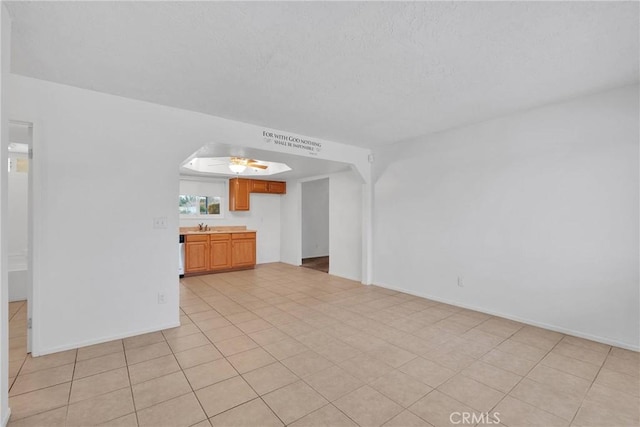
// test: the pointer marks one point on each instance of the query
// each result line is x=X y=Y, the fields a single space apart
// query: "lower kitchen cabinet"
x=209 y=253
x=243 y=250
x=196 y=254
x=220 y=256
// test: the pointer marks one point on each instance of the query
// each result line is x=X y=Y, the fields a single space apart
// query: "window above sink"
x=194 y=206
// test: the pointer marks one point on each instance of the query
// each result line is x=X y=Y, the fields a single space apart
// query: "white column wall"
x=345 y=225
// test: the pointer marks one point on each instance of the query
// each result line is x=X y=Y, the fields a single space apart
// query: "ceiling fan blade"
x=216 y=164
x=257 y=165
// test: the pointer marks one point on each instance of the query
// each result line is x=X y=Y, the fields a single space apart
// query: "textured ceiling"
x=360 y=73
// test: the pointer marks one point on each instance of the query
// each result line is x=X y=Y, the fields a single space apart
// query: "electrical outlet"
x=460 y=282
x=160 y=222
x=162 y=298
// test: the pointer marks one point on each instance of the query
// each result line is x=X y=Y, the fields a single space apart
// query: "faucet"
x=200 y=226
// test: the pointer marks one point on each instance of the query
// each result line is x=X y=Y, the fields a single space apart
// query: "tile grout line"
x=386 y=341
x=206 y=416
x=239 y=374
x=523 y=377
x=133 y=399
x=590 y=387
x=66 y=413
x=276 y=361
x=223 y=357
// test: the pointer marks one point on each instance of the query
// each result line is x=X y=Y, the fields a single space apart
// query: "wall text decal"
x=292 y=142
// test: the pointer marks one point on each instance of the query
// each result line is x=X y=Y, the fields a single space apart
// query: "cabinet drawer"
x=220 y=236
x=197 y=238
x=236 y=236
x=259 y=186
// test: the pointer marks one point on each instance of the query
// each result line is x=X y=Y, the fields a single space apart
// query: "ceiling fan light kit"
x=237 y=168
x=235 y=165
x=239 y=164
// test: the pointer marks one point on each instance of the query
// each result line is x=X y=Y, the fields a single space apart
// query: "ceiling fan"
x=239 y=164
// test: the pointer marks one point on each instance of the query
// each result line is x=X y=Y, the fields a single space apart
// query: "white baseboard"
x=5 y=419
x=43 y=352
x=603 y=340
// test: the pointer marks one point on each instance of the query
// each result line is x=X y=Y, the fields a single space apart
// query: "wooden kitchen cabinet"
x=243 y=249
x=259 y=186
x=220 y=252
x=212 y=252
x=196 y=254
x=277 y=187
x=241 y=188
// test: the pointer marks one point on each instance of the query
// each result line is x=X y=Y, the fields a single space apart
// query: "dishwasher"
x=181 y=256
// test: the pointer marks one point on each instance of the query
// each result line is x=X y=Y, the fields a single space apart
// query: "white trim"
x=104 y=339
x=530 y=322
x=5 y=420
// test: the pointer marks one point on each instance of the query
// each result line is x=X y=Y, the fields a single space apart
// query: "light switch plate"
x=160 y=222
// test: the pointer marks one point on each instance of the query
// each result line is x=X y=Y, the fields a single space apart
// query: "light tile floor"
x=284 y=345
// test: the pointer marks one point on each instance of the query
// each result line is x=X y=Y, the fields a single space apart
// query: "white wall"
x=345 y=225
x=97 y=272
x=315 y=218
x=264 y=215
x=291 y=224
x=537 y=212
x=5 y=59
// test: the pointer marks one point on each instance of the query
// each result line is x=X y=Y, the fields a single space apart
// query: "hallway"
x=17 y=338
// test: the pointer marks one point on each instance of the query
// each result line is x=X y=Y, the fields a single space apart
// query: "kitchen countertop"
x=216 y=230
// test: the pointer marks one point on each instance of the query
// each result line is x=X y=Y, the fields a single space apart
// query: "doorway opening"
x=315 y=224
x=19 y=220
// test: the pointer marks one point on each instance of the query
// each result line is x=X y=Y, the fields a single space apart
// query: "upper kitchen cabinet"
x=277 y=187
x=259 y=186
x=271 y=187
x=241 y=188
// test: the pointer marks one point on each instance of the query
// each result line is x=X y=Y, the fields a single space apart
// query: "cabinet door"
x=220 y=254
x=243 y=252
x=277 y=187
x=258 y=186
x=196 y=256
x=239 y=194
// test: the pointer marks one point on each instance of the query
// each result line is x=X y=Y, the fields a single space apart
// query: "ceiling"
x=355 y=72
x=301 y=166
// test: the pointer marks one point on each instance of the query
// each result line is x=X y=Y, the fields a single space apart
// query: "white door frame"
x=30 y=202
